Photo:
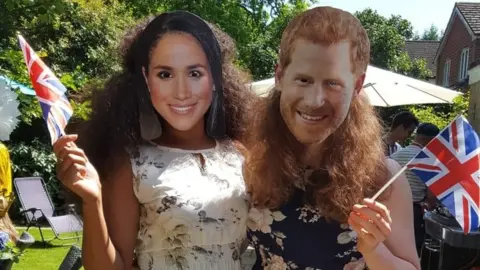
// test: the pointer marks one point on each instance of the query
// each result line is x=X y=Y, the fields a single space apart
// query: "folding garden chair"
x=37 y=206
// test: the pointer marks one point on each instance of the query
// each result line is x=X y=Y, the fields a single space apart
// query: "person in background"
x=422 y=198
x=403 y=125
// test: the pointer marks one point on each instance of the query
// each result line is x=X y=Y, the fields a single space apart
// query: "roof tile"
x=425 y=49
x=471 y=13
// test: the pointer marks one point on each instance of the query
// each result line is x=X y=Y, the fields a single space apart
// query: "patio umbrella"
x=262 y=88
x=385 y=89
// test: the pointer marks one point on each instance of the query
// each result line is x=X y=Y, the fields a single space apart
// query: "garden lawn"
x=38 y=256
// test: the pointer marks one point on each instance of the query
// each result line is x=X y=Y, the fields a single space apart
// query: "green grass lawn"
x=38 y=256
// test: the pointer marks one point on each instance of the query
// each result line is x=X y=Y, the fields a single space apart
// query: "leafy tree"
x=387 y=42
x=431 y=34
x=77 y=39
x=416 y=36
x=442 y=115
x=387 y=37
x=255 y=25
x=260 y=54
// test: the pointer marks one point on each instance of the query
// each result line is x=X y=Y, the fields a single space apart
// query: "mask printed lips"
x=182 y=109
x=312 y=117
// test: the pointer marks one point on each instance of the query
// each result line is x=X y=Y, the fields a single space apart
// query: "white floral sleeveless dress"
x=193 y=208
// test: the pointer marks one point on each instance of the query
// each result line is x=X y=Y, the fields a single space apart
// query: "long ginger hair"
x=352 y=166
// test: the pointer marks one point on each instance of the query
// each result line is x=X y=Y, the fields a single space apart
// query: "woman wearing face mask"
x=161 y=174
x=310 y=180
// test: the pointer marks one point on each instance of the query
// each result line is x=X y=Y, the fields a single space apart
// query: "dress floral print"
x=193 y=210
x=296 y=236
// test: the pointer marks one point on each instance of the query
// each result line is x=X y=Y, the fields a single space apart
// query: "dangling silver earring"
x=216 y=127
x=150 y=126
x=145 y=78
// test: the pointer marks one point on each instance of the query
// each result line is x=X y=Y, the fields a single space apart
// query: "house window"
x=463 y=70
x=446 y=73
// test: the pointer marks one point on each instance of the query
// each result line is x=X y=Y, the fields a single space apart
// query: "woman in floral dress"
x=309 y=179
x=161 y=139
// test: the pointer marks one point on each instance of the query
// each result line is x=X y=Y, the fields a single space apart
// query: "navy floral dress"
x=296 y=236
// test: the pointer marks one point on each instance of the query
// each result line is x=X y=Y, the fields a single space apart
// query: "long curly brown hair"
x=353 y=164
x=114 y=122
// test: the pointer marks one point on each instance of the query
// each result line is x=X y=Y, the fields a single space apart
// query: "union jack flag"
x=450 y=167
x=50 y=92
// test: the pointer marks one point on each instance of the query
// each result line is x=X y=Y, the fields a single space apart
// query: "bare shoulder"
x=393 y=166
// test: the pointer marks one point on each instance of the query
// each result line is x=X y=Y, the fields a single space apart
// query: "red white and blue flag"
x=450 y=167
x=50 y=92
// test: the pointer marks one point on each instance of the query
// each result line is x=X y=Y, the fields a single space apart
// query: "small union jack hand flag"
x=450 y=167
x=50 y=92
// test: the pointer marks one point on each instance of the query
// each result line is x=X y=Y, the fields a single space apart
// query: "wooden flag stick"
x=389 y=183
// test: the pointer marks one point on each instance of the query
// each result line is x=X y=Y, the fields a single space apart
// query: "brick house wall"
x=463 y=30
x=457 y=39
